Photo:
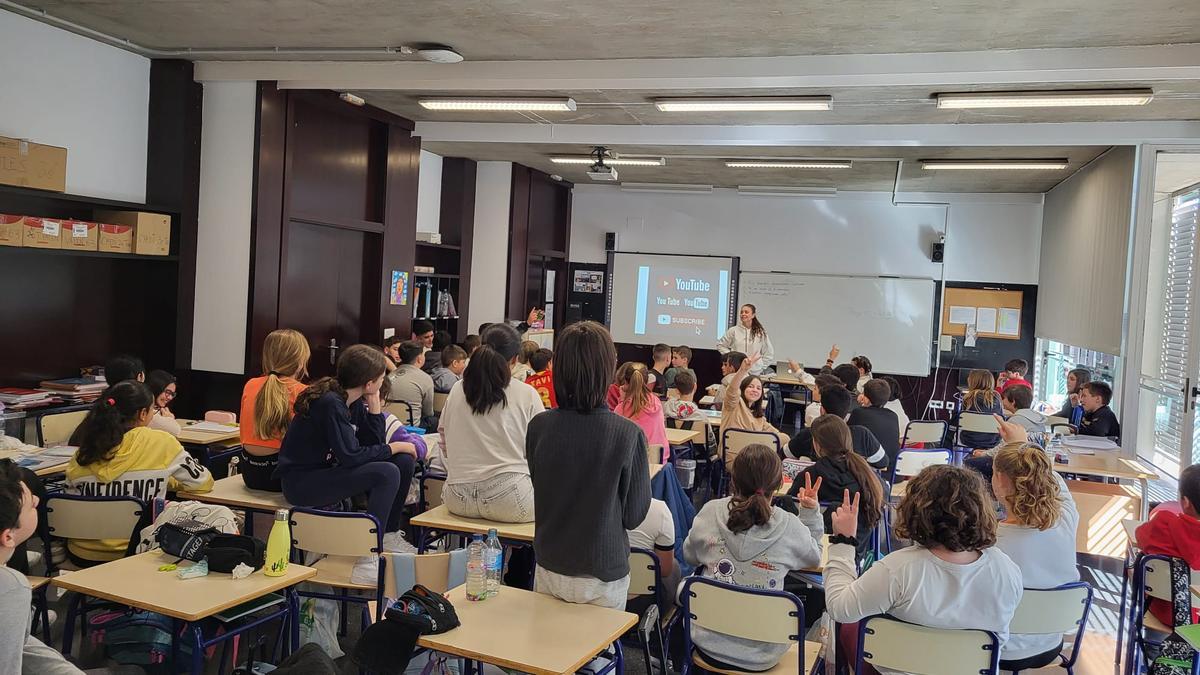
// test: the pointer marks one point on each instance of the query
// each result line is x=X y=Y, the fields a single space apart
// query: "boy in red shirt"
x=1174 y=534
x=542 y=378
x=1013 y=374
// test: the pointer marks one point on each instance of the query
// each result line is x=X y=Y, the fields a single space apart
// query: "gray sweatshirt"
x=759 y=557
x=20 y=652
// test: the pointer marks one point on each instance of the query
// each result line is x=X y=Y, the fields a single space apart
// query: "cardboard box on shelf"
x=80 y=235
x=33 y=165
x=10 y=229
x=115 y=238
x=42 y=233
x=151 y=231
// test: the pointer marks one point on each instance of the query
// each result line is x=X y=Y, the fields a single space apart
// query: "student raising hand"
x=844 y=521
x=748 y=363
x=808 y=495
x=1011 y=432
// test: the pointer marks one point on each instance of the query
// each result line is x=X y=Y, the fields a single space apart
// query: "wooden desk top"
x=681 y=436
x=1130 y=525
x=206 y=437
x=440 y=518
x=48 y=470
x=530 y=632
x=232 y=491
x=654 y=469
x=820 y=568
x=37 y=582
x=136 y=582
x=1106 y=463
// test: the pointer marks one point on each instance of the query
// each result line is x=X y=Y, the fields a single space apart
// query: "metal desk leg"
x=1145 y=498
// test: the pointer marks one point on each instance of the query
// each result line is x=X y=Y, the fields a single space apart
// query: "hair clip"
x=111 y=401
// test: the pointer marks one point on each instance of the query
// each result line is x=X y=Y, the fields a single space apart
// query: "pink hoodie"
x=651 y=421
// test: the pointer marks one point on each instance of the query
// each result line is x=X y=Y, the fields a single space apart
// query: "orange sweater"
x=246 y=418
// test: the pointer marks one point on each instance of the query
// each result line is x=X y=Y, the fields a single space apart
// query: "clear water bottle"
x=494 y=557
x=476 y=569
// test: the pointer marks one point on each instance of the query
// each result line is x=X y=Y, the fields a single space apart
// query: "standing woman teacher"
x=750 y=338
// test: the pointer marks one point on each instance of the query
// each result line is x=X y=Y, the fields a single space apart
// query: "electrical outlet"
x=950 y=406
x=388 y=332
x=937 y=405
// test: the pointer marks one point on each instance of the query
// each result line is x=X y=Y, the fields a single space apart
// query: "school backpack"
x=1175 y=655
x=136 y=638
x=193 y=515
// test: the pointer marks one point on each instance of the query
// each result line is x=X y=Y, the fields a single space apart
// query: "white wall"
x=429 y=192
x=991 y=238
x=223 y=244
x=489 y=250
x=66 y=90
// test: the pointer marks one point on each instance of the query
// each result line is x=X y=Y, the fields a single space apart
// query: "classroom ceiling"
x=1175 y=171
x=620 y=29
x=873 y=170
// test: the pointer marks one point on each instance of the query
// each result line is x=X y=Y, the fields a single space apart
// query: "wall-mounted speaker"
x=610 y=241
x=938 y=254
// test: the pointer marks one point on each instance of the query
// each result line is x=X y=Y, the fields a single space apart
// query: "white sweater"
x=916 y=586
x=739 y=339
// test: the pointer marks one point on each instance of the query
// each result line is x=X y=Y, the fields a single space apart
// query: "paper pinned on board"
x=1010 y=322
x=985 y=320
x=962 y=314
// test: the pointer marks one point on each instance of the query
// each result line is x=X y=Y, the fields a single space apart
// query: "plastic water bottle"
x=494 y=557
x=476 y=569
x=279 y=544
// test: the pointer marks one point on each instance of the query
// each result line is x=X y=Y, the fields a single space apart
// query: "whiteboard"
x=889 y=320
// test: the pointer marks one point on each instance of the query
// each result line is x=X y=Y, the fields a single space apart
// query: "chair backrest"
x=1055 y=419
x=56 y=429
x=654 y=454
x=672 y=392
x=439 y=402
x=910 y=462
x=1061 y=429
x=404 y=412
x=738 y=611
x=431 y=570
x=885 y=642
x=1156 y=579
x=1052 y=610
x=644 y=573
x=980 y=422
x=78 y=517
x=335 y=532
x=733 y=440
x=924 y=431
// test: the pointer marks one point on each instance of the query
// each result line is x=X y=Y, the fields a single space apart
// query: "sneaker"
x=394 y=542
x=366 y=571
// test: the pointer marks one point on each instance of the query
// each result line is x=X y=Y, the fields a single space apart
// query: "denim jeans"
x=504 y=498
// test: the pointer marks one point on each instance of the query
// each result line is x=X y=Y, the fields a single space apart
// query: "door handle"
x=333 y=349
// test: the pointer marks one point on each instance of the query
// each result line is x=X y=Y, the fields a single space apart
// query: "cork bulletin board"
x=996 y=313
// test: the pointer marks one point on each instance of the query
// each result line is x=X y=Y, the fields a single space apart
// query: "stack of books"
x=18 y=398
x=75 y=389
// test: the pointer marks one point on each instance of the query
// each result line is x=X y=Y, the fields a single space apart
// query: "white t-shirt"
x=1046 y=559
x=657 y=531
x=901 y=416
x=481 y=446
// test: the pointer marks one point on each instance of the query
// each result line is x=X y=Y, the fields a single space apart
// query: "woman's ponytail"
x=114 y=413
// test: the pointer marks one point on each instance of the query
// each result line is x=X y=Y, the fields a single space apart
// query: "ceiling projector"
x=602 y=171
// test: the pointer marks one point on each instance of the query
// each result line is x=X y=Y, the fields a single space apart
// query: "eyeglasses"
x=169 y=393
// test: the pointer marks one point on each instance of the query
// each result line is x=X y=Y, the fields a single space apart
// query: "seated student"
x=521 y=369
x=1176 y=534
x=119 y=455
x=881 y=421
x=335 y=449
x=1038 y=533
x=894 y=404
x=744 y=540
x=433 y=357
x=470 y=344
x=639 y=404
x=1098 y=418
x=422 y=334
x=20 y=652
x=542 y=379
x=1076 y=378
x=450 y=370
x=813 y=410
x=730 y=362
x=835 y=400
x=848 y=374
x=1013 y=374
x=163 y=389
x=657 y=534
x=680 y=357
x=411 y=385
x=685 y=408
x=839 y=467
x=124 y=367
x=864 y=371
x=981 y=397
x=580 y=542
x=745 y=405
x=952 y=577
x=660 y=362
x=1018 y=408
x=483 y=429
x=267 y=404
x=391 y=349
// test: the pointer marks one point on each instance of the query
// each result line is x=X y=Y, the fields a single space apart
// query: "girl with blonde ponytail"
x=1038 y=533
x=268 y=404
x=744 y=540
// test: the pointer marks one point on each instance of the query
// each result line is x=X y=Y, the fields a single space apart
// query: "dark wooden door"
x=322 y=293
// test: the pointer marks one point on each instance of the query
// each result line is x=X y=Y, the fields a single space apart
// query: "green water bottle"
x=279 y=544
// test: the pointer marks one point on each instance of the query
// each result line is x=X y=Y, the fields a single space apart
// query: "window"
x=1050 y=370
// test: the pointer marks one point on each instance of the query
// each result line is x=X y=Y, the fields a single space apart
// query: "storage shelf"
x=434 y=318
x=434 y=275
x=89 y=254
x=14 y=191
x=448 y=247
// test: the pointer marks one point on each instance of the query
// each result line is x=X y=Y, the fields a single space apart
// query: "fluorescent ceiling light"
x=1045 y=99
x=786 y=191
x=666 y=187
x=744 y=104
x=786 y=164
x=500 y=104
x=623 y=161
x=994 y=164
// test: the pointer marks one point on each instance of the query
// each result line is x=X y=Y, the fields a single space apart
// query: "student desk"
x=654 y=469
x=209 y=446
x=439 y=518
x=52 y=469
x=684 y=436
x=530 y=632
x=232 y=492
x=1110 y=464
x=136 y=582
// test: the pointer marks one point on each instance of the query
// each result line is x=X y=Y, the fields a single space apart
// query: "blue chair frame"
x=864 y=628
x=1137 y=640
x=1077 y=644
x=723 y=465
x=686 y=595
x=652 y=563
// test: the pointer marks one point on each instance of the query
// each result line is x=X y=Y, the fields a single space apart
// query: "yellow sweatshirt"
x=145 y=465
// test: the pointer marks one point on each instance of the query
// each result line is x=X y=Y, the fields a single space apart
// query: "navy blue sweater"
x=332 y=434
